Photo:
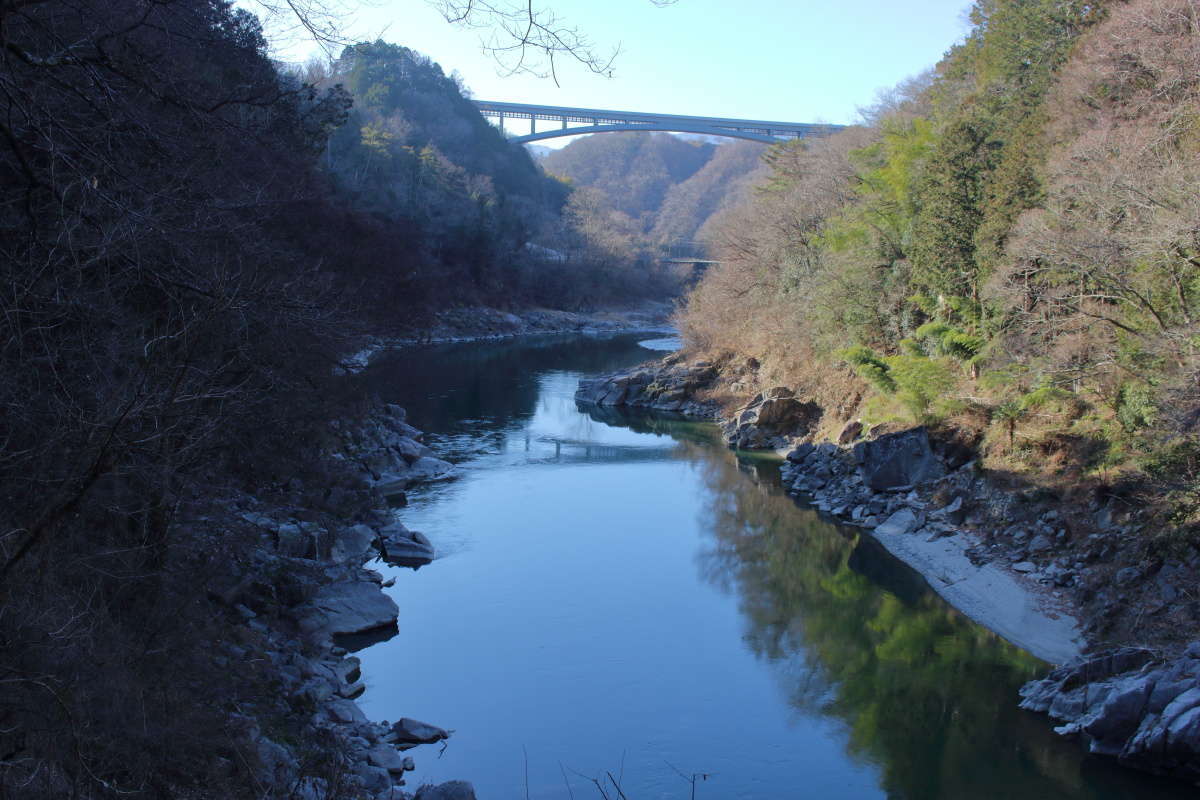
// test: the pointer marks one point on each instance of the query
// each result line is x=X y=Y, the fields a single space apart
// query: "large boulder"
x=411 y=731
x=385 y=756
x=898 y=460
x=906 y=520
x=276 y=765
x=299 y=539
x=428 y=468
x=401 y=547
x=410 y=449
x=346 y=607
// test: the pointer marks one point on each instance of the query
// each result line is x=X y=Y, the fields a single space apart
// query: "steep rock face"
x=1129 y=704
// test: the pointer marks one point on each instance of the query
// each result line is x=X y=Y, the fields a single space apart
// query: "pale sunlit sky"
x=786 y=61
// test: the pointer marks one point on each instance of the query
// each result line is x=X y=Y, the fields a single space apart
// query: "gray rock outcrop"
x=662 y=385
x=771 y=420
x=390 y=454
x=411 y=731
x=898 y=461
x=402 y=547
x=903 y=521
x=352 y=543
x=345 y=607
x=1131 y=705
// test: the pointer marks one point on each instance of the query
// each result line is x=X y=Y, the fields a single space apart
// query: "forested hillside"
x=667 y=186
x=443 y=209
x=1009 y=246
x=190 y=240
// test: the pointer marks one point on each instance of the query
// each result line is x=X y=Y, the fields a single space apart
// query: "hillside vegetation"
x=443 y=209
x=1009 y=246
x=666 y=188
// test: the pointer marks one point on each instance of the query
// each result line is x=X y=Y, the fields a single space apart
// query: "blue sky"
x=787 y=61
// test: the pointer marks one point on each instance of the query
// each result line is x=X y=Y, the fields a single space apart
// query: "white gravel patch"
x=1011 y=606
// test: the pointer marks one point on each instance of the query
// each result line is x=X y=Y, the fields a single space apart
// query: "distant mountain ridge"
x=670 y=186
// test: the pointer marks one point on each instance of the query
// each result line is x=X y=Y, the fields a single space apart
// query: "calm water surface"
x=622 y=594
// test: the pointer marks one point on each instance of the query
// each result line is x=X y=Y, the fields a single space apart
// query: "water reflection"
x=481 y=387
x=927 y=694
x=619 y=591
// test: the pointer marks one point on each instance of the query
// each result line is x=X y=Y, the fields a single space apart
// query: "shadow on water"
x=854 y=634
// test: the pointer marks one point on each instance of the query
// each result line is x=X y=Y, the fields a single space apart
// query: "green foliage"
x=870 y=367
x=377 y=139
x=943 y=251
x=1043 y=396
x=482 y=222
x=983 y=171
x=1009 y=411
x=889 y=173
x=1012 y=411
x=949 y=341
x=916 y=381
x=1136 y=406
x=919 y=382
x=927 y=305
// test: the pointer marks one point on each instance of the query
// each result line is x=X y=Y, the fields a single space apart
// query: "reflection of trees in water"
x=686 y=431
x=927 y=695
x=443 y=385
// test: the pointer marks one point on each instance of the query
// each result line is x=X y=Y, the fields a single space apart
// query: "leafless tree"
x=531 y=39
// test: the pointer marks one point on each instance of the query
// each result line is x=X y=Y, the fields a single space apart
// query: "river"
x=621 y=598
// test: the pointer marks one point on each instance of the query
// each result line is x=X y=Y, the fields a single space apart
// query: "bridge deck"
x=600 y=119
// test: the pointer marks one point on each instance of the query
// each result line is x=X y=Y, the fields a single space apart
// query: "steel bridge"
x=576 y=121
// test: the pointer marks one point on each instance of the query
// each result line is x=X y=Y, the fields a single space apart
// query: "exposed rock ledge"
x=1130 y=704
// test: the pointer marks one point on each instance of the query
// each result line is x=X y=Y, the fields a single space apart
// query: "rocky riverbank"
x=1057 y=578
x=306 y=599
x=479 y=323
